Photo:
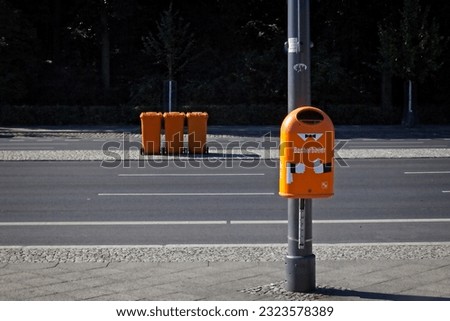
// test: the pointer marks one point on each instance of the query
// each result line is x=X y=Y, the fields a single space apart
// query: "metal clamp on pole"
x=301 y=226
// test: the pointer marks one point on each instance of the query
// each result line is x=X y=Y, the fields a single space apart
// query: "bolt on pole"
x=300 y=261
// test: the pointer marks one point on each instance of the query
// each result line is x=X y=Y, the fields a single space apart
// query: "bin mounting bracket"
x=301 y=225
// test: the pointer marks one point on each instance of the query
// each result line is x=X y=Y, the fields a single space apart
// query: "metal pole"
x=300 y=261
x=170 y=96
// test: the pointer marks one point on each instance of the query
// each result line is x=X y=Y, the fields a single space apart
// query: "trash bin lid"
x=174 y=114
x=197 y=114
x=151 y=114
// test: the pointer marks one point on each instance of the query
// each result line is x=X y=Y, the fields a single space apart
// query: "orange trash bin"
x=197 y=129
x=307 y=154
x=151 y=132
x=174 y=130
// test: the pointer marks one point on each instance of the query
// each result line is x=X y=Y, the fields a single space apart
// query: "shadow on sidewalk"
x=376 y=296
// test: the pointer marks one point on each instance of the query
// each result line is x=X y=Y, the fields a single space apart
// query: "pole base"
x=301 y=273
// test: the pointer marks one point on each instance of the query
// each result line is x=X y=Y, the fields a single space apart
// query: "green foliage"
x=241 y=114
x=256 y=114
x=146 y=91
x=50 y=54
x=412 y=50
x=329 y=77
x=359 y=115
x=388 y=48
x=18 y=63
x=172 y=45
x=68 y=115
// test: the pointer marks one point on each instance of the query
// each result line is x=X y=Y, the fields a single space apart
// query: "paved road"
x=132 y=141
x=228 y=201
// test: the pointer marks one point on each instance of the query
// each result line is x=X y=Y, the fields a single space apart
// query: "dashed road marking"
x=185 y=194
x=191 y=175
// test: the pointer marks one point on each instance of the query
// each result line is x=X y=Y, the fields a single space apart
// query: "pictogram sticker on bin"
x=306 y=154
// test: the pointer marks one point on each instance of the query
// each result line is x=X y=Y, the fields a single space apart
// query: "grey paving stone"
x=180 y=296
x=103 y=272
x=236 y=296
x=41 y=280
x=88 y=293
x=7 y=286
x=73 y=276
x=95 y=281
x=134 y=266
x=6 y=271
x=17 y=276
x=63 y=286
x=149 y=293
x=226 y=266
x=116 y=297
x=31 y=267
x=84 y=266
x=407 y=268
x=436 y=290
x=119 y=287
x=55 y=297
x=362 y=280
x=182 y=267
x=25 y=294
x=408 y=279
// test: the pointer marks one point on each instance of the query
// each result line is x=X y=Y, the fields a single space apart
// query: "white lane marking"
x=383 y=244
x=23 y=148
x=394 y=147
x=389 y=142
x=445 y=191
x=43 y=143
x=218 y=222
x=106 y=223
x=390 y=146
x=369 y=221
x=219 y=245
x=378 y=221
x=394 y=143
x=185 y=194
x=429 y=172
x=256 y=222
x=190 y=175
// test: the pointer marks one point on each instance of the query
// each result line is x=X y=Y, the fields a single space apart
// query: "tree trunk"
x=105 y=63
x=386 y=94
x=56 y=28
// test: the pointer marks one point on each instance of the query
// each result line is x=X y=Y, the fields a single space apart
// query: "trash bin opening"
x=309 y=117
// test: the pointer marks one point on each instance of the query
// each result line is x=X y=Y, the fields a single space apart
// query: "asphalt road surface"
x=217 y=202
x=32 y=143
